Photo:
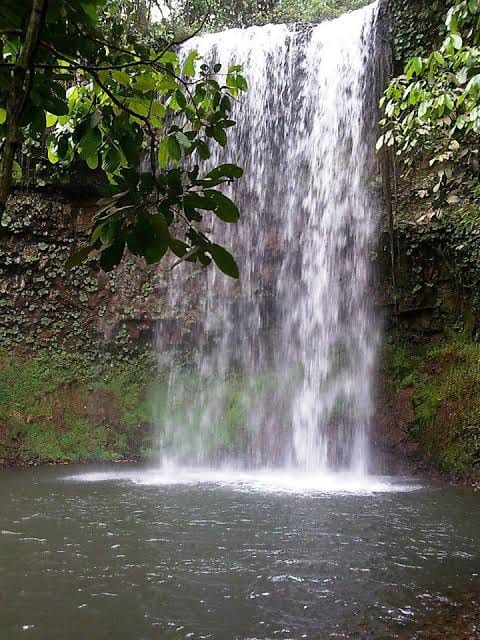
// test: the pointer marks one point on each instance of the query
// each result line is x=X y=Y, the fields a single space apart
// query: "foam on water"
x=264 y=480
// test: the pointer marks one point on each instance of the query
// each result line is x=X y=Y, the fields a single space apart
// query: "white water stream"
x=283 y=364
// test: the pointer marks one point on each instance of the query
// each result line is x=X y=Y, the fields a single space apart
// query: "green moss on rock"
x=59 y=407
x=445 y=379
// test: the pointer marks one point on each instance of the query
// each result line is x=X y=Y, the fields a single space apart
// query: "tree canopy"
x=224 y=14
x=92 y=89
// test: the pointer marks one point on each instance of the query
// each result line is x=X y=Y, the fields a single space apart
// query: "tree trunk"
x=22 y=75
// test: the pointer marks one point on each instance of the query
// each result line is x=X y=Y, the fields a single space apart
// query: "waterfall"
x=282 y=362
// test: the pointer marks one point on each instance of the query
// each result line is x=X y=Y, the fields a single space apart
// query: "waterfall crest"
x=284 y=359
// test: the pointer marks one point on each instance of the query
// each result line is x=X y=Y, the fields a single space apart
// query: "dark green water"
x=129 y=555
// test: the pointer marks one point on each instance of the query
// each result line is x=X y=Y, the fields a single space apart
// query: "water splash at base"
x=264 y=481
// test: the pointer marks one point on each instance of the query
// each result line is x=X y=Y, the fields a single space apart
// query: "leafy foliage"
x=135 y=113
x=432 y=111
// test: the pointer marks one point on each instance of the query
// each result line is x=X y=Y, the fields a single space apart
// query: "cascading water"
x=283 y=361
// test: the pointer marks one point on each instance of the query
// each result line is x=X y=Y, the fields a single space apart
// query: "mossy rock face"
x=418 y=26
x=436 y=289
x=430 y=378
x=95 y=404
x=444 y=380
x=44 y=305
x=63 y=408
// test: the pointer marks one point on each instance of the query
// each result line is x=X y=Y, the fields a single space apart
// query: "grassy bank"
x=444 y=384
x=59 y=407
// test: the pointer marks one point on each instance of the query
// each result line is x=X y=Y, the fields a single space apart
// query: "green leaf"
x=225 y=170
x=158 y=110
x=180 y=98
x=449 y=102
x=174 y=150
x=90 y=9
x=139 y=107
x=178 y=247
x=163 y=155
x=157 y=114
x=204 y=259
x=203 y=150
x=241 y=83
x=219 y=135
x=149 y=237
x=97 y=232
x=224 y=260
x=456 y=40
x=121 y=77
x=417 y=64
x=106 y=232
x=130 y=142
x=16 y=171
x=51 y=119
x=89 y=143
x=92 y=161
x=52 y=154
x=140 y=236
x=56 y=106
x=226 y=209
x=198 y=201
x=145 y=83
x=160 y=226
x=3 y=115
x=50 y=96
x=414 y=66
x=112 y=160
x=169 y=57
x=183 y=140
x=112 y=255
x=155 y=251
